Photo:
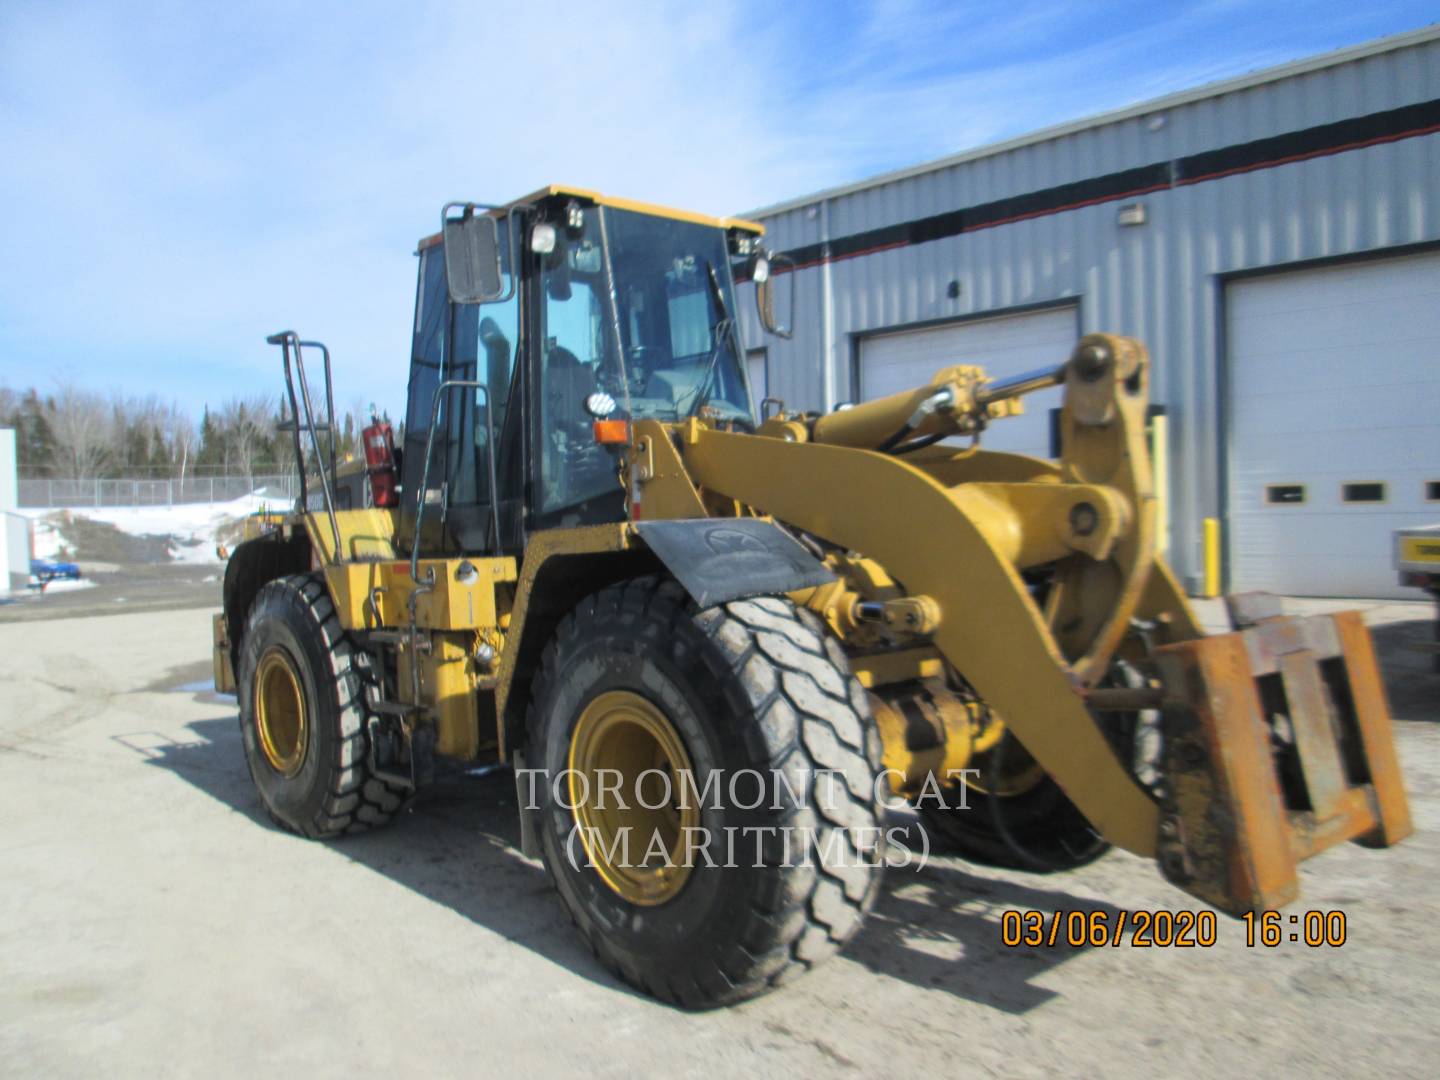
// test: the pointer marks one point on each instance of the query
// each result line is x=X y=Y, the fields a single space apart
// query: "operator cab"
x=571 y=308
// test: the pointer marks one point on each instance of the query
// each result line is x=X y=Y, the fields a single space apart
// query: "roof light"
x=542 y=238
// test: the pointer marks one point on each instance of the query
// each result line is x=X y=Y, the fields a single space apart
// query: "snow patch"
x=67 y=585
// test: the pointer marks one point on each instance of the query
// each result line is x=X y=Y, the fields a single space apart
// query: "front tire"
x=302 y=715
x=749 y=685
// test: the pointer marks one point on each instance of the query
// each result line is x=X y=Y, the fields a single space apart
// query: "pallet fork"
x=1278 y=745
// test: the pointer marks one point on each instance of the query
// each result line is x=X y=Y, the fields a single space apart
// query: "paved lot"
x=152 y=921
x=112 y=589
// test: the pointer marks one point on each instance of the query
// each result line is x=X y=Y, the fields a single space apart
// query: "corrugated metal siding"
x=1159 y=281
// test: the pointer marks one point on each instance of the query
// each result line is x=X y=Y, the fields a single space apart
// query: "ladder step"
x=394 y=708
x=289 y=425
x=388 y=637
x=397 y=779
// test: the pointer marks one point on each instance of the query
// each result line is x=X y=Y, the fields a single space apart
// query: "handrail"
x=329 y=400
x=288 y=339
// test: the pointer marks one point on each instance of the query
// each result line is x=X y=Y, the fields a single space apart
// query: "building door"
x=1333 y=422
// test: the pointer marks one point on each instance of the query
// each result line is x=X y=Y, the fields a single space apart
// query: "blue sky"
x=180 y=179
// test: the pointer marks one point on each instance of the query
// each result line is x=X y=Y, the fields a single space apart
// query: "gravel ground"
x=152 y=921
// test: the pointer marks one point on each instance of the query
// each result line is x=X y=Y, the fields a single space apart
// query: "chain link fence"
x=58 y=494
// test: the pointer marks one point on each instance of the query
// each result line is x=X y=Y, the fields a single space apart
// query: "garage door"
x=1007 y=345
x=1334 y=412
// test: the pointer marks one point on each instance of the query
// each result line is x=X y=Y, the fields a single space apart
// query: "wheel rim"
x=633 y=835
x=280 y=717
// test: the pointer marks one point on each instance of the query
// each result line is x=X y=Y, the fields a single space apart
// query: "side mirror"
x=765 y=268
x=472 y=255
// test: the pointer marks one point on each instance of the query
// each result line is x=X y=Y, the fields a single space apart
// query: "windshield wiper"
x=720 y=329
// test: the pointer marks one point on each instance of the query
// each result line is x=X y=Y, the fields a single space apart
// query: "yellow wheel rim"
x=634 y=797
x=280 y=717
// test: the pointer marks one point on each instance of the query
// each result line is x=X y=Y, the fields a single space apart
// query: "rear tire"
x=749 y=685
x=302 y=715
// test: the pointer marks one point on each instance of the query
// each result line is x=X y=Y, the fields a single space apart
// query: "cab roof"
x=554 y=190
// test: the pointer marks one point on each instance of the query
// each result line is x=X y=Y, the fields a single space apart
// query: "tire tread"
x=355 y=799
x=810 y=714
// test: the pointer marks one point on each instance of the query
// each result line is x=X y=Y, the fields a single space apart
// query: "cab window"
x=677 y=312
x=427 y=361
x=485 y=339
x=575 y=362
x=475 y=342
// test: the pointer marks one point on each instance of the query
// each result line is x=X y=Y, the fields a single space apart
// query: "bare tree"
x=184 y=440
x=356 y=417
x=248 y=423
x=83 y=425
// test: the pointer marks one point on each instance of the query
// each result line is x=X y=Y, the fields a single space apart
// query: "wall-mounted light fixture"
x=1131 y=214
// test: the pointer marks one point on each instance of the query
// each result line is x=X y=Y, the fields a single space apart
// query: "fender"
x=717 y=560
x=251 y=565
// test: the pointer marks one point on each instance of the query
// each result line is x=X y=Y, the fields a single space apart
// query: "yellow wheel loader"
x=716 y=646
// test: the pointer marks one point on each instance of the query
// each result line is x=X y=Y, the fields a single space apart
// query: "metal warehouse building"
x=1274 y=239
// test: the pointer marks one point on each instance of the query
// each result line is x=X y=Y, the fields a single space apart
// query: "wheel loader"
x=683 y=620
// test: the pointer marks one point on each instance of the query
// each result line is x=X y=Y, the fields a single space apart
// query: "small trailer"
x=1417 y=560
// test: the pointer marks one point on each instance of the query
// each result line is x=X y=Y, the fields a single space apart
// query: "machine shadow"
x=939 y=927
x=1409 y=666
x=459 y=845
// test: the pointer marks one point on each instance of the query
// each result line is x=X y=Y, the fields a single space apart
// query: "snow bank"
x=190 y=529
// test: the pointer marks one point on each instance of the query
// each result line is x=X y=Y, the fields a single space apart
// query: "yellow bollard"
x=1212 y=556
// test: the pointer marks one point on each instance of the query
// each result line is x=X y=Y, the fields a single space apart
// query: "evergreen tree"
x=33 y=435
x=211 y=454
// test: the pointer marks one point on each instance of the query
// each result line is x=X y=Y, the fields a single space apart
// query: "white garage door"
x=1334 y=424
x=1007 y=345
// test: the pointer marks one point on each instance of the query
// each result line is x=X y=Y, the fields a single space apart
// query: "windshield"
x=676 y=308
